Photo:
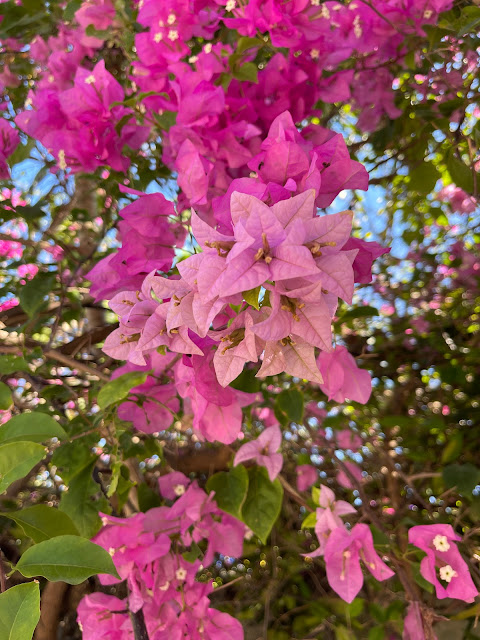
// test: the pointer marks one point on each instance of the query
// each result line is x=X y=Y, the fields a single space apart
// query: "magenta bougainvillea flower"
x=413 y=628
x=306 y=476
x=343 y=552
x=9 y=140
x=264 y=451
x=328 y=516
x=443 y=566
x=342 y=378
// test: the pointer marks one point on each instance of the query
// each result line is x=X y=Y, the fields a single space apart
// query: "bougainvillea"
x=239 y=249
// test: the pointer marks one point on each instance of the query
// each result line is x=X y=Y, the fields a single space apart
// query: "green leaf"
x=12 y=364
x=454 y=447
x=310 y=521
x=419 y=579
x=359 y=312
x=147 y=497
x=5 y=396
x=251 y=297
x=70 y=10
x=248 y=72
x=459 y=172
x=230 y=489
x=118 y=389
x=423 y=178
x=69 y=559
x=16 y=460
x=81 y=504
x=289 y=406
x=165 y=120
x=463 y=476
x=378 y=633
x=246 y=43
x=194 y=553
x=42 y=523
x=263 y=502
x=19 y=611
x=32 y=294
x=34 y=427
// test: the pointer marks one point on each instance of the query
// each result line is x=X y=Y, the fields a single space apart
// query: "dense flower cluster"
x=243 y=272
x=151 y=553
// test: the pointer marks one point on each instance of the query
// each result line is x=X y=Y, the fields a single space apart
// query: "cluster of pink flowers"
x=78 y=124
x=344 y=548
x=149 y=551
x=265 y=285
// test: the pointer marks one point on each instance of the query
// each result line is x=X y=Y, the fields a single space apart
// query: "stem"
x=139 y=627
x=3 y=580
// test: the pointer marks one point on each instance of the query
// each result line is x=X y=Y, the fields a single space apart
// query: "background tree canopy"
x=240 y=319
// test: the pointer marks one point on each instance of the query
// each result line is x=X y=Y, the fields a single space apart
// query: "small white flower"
x=90 y=79
x=171 y=18
x=111 y=551
x=447 y=573
x=230 y=6
x=51 y=78
x=427 y=14
x=173 y=35
x=316 y=3
x=179 y=490
x=180 y=574
x=248 y=534
x=193 y=59
x=357 y=29
x=158 y=37
x=104 y=521
x=325 y=12
x=208 y=47
x=314 y=53
x=61 y=160
x=441 y=543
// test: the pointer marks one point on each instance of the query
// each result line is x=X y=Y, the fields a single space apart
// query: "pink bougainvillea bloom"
x=348 y=439
x=328 y=517
x=173 y=485
x=102 y=616
x=459 y=201
x=263 y=451
x=306 y=476
x=9 y=140
x=368 y=252
x=343 y=478
x=343 y=552
x=413 y=628
x=342 y=378
x=443 y=566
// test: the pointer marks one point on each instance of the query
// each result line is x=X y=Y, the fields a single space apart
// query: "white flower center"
x=179 y=490
x=171 y=18
x=441 y=543
x=90 y=79
x=230 y=6
x=208 y=47
x=158 y=37
x=173 y=35
x=111 y=551
x=314 y=53
x=447 y=573
x=180 y=574
x=61 y=160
